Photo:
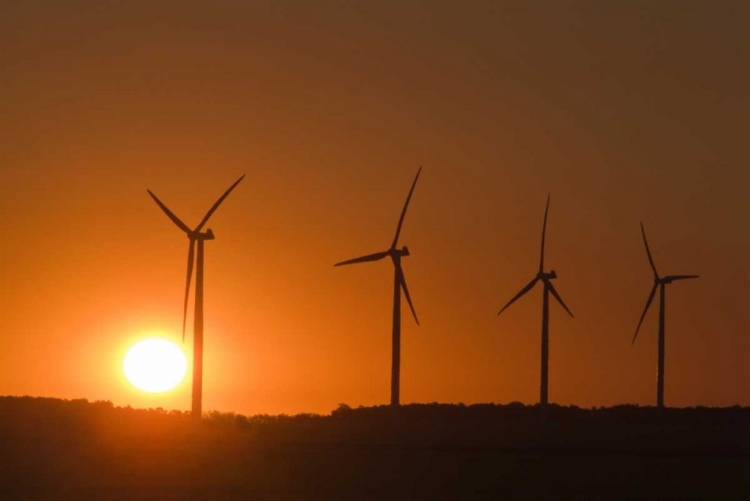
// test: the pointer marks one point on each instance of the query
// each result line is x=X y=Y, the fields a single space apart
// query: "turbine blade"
x=191 y=259
x=403 y=212
x=363 y=259
x=402 y=279
x=557 y=296
x=643 y=315
x=526 y=289
x=648 y=252
x=680 y=277
x=169 y=213
x=544 y=231
x=218 y=202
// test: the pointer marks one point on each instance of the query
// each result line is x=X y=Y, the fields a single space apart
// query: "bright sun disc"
x=155 y=365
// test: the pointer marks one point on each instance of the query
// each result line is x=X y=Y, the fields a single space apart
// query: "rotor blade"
x=643 y=315
x=218 y=202
x=403 y=212
x=526 y=289
x=191 y=259
x=544 y=231
x=402 y=279
x=363 y=259
x=557 y=296
x=680 y=277
x=648 y=251
x=169 y=213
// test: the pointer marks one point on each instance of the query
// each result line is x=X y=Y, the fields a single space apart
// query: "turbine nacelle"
x=547 y=276
x=197 y=235
x=402 y=252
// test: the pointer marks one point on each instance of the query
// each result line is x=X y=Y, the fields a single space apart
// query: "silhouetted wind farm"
x=399 y=283
x=195 y=259
x=660 y=283
x=197 y=237
x=278 y=382
x=545 y=278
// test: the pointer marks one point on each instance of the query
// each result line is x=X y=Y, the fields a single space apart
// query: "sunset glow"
x=622 y=115
x=211 y=212
x=155 y=365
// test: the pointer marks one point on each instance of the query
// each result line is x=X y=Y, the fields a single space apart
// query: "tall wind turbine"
x=659 y=282
x=399 y=282
x=545 y=278
x=196 y=259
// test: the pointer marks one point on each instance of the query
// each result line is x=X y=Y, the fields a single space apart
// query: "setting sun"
x=155 y=365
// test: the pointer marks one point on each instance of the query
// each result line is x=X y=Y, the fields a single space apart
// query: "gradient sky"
x=623 y=111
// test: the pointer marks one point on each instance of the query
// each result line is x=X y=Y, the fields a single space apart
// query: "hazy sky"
x=623 y=111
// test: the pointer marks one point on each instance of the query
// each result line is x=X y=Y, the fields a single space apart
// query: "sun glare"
x=155 y=365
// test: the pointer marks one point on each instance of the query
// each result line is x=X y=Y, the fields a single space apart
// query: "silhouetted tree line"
x=75 y=449
x=629 y=427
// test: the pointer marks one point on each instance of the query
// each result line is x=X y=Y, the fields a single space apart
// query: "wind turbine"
x=196 y=259
x=659 y=282
x=399 y=282
x=545 y=278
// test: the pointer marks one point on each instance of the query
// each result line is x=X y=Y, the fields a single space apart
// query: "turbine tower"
x=659 y=282
x=545 y=278
x=399 y=282
x=196 y=236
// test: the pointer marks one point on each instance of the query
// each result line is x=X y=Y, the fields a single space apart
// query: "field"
x=56 y=449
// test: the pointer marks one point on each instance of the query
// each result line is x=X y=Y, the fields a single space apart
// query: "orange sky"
x=622 y=113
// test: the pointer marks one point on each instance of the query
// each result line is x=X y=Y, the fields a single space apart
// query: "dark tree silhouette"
x=56 y=449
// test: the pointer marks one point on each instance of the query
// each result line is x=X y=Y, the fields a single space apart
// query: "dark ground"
x=70 y=450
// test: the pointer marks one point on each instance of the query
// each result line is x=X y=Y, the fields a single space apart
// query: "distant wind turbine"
x=548 y=288
x=196 y=236
x=659 y=282
x=399 y=282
